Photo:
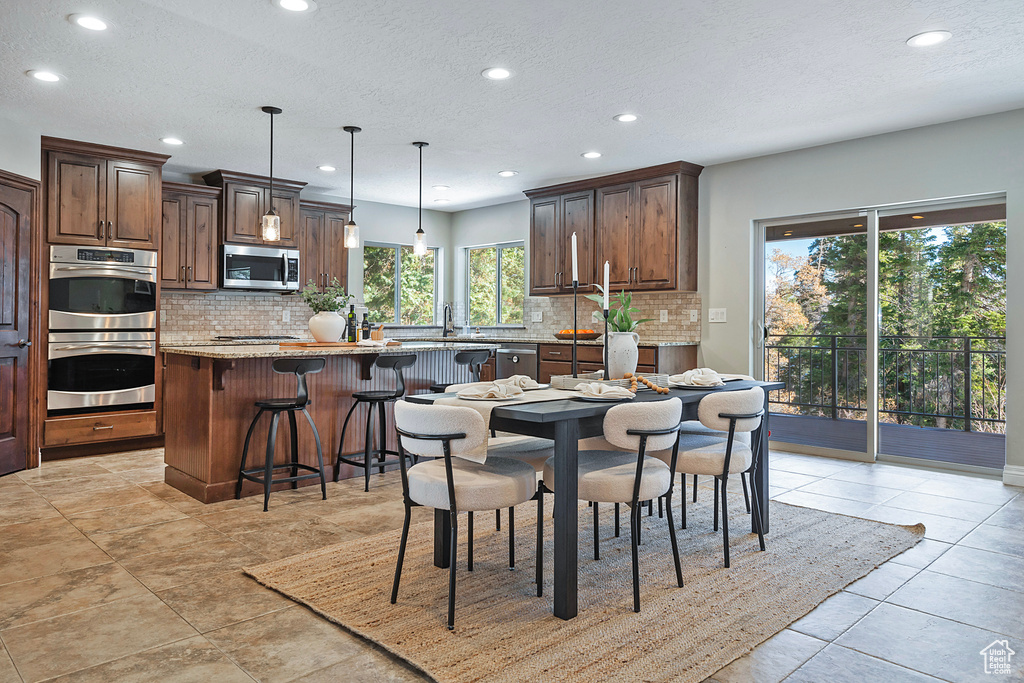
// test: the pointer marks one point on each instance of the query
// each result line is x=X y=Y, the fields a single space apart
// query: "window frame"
x=397 y=247
x=500 y=246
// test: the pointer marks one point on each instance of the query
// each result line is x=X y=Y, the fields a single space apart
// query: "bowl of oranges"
x=581 y=335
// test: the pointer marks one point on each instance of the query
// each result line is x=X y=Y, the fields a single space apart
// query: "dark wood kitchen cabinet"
x=553 y=220
x=642 y=222
x=244 y=200
x=322 y=253
x=188 y=243
x=102 y=196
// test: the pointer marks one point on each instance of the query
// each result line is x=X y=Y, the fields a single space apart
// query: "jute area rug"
x=504 y=632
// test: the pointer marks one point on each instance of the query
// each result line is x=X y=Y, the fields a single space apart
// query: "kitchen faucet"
x=448 y=318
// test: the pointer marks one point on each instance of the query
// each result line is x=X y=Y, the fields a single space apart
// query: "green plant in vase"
x=622 y=339
x=326 y=325
x=619 y=319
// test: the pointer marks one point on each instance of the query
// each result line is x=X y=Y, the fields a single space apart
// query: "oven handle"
x=126 y=272
x=104 y=345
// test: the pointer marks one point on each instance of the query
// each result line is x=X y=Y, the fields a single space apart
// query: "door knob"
x=23 y=343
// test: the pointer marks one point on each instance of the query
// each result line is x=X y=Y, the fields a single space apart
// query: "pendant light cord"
x=352 y=176
x=420 y=226
x=271 y=162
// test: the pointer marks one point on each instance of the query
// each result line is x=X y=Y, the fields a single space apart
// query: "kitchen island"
x=209 y=392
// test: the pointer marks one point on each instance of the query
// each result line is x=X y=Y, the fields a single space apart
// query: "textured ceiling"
x=711 y=81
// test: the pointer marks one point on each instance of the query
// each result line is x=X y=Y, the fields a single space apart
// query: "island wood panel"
x=205 y=429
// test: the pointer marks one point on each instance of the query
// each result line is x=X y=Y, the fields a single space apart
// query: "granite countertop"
x=234 y=351
x=549 y=340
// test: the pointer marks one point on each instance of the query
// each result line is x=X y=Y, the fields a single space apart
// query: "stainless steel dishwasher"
x=516 y=359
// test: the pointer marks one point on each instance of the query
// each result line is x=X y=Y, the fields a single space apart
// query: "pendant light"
x=419 y=247
x=271 y=221
x=351 y=229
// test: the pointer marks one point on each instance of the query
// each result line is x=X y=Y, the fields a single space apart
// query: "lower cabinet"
x=62 y=431
x=556 y=359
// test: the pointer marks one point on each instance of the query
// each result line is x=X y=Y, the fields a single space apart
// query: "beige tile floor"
x=107 y=574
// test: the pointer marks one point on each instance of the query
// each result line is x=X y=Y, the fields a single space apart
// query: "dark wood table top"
x=569 y=409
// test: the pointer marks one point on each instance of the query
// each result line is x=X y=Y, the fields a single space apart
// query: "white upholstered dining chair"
x=629 y=475
x=459 y=479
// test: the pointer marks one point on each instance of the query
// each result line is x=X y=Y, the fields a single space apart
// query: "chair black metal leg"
x=661 y=509
x=295 y=446
x=452 y=564
x=695 y=488
x=469 y=544
x=268 y=467
x=597 y=544
x=511 y=539
x=319 y=453
x=639 y=526
x=540 y=544
x=725 y=523
x=497 y=520
x=672 y=536
x=401 y=553
x=650 y=508
x=616 y=520
x=757 y=517
x=382 y=438
x=245 y=454
x=716 y=504
x=634 y=523
x=368 y=448
x=341 y=442
x=746 y=496
x=682 y=504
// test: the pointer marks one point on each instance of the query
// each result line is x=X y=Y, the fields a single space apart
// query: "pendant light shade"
x=271 y=223
x=419 y=247
x=351 y=229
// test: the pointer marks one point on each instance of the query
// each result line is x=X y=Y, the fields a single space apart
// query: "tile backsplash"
x=188 y=317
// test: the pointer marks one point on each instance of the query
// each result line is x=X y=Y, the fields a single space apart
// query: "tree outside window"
x=497 y=284
x=398 y=286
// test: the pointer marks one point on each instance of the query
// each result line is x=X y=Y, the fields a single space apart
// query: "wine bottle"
x=366 y=326
x=351 y=323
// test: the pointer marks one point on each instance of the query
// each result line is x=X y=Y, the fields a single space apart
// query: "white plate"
x=478 y=398
x=539 y=387
x=695 y=386
x=599 y=399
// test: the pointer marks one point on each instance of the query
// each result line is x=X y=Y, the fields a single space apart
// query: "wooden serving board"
x=325 y=345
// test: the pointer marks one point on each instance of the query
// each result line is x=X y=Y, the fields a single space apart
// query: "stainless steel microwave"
x=260 y=268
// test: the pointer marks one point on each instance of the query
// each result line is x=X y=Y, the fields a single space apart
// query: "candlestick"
x=606 y=375
x=575 y=286
x=606 y=274
x=575 y=264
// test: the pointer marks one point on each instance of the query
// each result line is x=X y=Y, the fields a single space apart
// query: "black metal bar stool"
x=378 y=399
x=300 y=367
x=474 y=359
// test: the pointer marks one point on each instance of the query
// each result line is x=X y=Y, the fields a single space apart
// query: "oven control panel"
x=104 y=256
x=293 y=270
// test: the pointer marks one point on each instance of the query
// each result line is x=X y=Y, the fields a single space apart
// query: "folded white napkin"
x=521 y=381
x=699 y=377
x=495 y=391
x=373 y=343
x=598 y=390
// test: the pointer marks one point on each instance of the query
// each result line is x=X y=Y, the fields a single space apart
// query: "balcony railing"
x=945 y=382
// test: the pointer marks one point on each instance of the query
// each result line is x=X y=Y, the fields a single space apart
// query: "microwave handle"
x=284 y=267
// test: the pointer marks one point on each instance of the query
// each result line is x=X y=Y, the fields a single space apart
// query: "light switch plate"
x=716 y=315
x=664 y=316
x=286 y=316
x=694 y=316
x=537 y=316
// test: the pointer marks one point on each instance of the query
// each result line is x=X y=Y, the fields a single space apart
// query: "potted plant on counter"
x=622 y=338
x=326 y=325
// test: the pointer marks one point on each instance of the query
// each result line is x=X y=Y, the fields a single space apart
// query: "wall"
x=984 y=154
x=20 y=148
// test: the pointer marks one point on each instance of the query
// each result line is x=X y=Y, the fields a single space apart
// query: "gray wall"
x=487 y=225
x=19 y=148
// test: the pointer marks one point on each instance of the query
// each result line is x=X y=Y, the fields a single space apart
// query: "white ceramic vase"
x=622 y=353
x=327 y=326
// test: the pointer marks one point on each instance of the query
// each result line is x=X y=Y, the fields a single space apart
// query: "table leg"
x=442 y=538
x=761 y=471
x=566 y=521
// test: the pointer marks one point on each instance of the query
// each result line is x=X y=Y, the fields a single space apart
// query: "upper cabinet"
x=188 y=245
x=643 y=223
x=322 y=253
x=244 y=200
x=102 y=196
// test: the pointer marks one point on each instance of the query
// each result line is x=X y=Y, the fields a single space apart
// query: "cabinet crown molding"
x=682 y=167
x=220 y=177
x=49 y=144
x=190 y=188
x=315 y=205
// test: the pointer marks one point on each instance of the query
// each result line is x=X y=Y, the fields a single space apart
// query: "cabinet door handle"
x=554 y=353
x=110 y=230
x=99 y=233
x=99 y=427
x=181 y=278
x=188 y=278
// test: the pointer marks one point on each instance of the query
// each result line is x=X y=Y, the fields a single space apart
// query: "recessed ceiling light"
x=47 y=76
x=442 y=201
x=441 y=188
x=590 y=155
x=172 y=141
x=626 y=118
x=497 y=73
x=327 y=168
x=296 y=5
x=86 y=21
x=917 y=218
x=929 y=38
x=507 y=174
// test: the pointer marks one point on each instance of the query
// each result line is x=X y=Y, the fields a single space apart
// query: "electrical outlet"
x=286 y=316
x=537 y=316
x=664 y=316
x=716 y=315
x=694 y=316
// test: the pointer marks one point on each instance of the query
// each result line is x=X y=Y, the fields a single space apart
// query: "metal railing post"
x=967 y=384
x=835 y=378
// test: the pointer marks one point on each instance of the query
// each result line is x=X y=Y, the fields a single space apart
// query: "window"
x=398 y=286
x=497 y=284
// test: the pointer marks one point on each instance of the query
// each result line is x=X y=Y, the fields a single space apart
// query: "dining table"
x=565 y=422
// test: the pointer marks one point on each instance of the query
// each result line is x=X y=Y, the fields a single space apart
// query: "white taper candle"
x=606 y=274
x=575 y=264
